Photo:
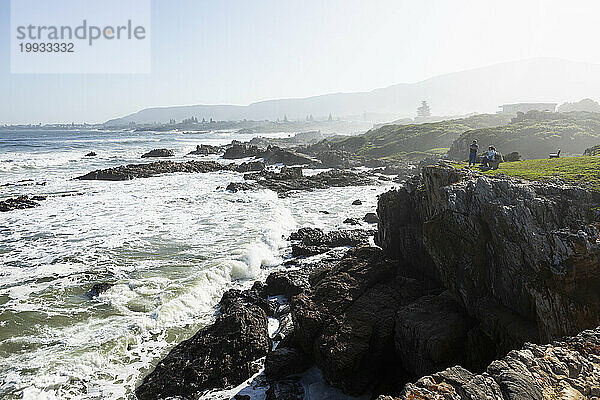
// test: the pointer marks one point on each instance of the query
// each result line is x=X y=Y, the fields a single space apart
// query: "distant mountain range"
x=476 y=90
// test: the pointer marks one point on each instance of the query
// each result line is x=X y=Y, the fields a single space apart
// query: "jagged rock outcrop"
x=271 y=155
x=20 y=203
x=132 y=171
x=292 y=179
x=522 y=258
x=346 y=319
x=159 y=153
x=565 y=369
x=206 y=149
x=310 y=241
x=221 y=355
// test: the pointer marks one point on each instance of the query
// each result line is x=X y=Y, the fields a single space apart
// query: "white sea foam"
x=171 y=244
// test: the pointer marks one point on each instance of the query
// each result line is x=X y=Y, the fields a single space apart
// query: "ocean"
x=172 y=245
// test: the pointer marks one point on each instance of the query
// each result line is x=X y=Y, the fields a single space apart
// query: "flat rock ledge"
x=20 y=203
x=131 y=171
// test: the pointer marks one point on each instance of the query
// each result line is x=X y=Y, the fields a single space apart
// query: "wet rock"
x=251 y=166
x=241 y=186
x=223 y=354
x=288 y=283
x=337 y=159
x=285 y=361
x=371 y=218
x=346 y=319
x=431 y=334
x=240 y=150
x=287 y=389
x=99 y=288
x=292 y=179
x=351 y=221
x=206 y=149
x=356 y=202
x=132 y=171
x=311 y=241
x=20 y=203
x=91 y=154
x=159 y=153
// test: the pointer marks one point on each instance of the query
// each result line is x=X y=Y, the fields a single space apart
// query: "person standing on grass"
x=473 y=153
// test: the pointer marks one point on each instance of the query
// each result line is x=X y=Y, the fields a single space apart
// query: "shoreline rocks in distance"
x=206 y=149
x=292 y=179
x=159 y=153
x=91 y=154
x=20 y=203
x=131 y=171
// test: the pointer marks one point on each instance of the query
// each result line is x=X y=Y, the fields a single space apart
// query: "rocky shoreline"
x=469 y=269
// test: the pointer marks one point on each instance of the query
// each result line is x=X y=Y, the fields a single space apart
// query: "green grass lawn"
x=582 y=171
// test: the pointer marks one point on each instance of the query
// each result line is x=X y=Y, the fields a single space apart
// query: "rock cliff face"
x=520 y=257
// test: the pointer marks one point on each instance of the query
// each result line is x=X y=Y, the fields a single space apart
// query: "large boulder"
x=221 y=355
x=346 y=319
x=310 y=241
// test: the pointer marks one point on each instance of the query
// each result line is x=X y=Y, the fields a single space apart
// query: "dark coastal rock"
x=91 y=154
x=132 y=171
x=221 y=355
x=292 y=179
x=285 y=361
x=159 y=153
x=566 y=369
x=431 y=334
x=357 y=202
x=522 y=258
x=252 y=166
x=277 y=155
x=20 y=203
x=351 y=221
x=337 y=159
x=240 y=150
x=99 y=288
x=241 y=186
x=371 y=218
x=206 y=149
x=311 y=241
x=346 y=319
x=288 y=283
x=271 y=155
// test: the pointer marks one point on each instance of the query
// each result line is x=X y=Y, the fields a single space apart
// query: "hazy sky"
x=237 y=52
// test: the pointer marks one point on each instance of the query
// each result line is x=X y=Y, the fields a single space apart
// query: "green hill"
x=535 y=135
x=582 y=171
x=416 y=140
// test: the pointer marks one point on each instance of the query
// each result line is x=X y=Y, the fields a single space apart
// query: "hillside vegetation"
x=416 y=140
x=535 y=135
x=582 y=171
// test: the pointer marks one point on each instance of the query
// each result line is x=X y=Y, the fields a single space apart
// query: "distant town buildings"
x=525 y=107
